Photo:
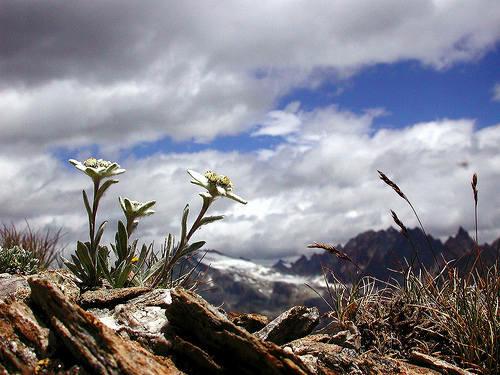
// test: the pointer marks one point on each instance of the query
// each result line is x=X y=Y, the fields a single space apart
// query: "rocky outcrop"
x=45 y=330
x=91 y=343
x=322 y=356
x=294 y=323
x=209 y=334
x=251 y=322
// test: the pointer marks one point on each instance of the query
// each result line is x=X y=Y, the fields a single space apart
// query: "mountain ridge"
x=375 y=251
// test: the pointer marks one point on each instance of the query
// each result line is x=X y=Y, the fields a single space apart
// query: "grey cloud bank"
x=116 y=73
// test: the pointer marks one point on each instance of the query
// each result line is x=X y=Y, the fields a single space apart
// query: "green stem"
x=196 y=224
x=184 y=241
x=130 y=226
x=95 y=205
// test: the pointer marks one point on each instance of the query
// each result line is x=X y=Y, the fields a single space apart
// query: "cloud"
x=114 y=74
x=496 y=92
x=280 y=123
x=320 y=185
x=76 y=73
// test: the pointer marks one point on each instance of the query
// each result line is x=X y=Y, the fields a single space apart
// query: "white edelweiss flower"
x=216 y=185
x=97 y=168
x=136 y=209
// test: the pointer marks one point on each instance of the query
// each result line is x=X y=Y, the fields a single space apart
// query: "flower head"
x=97 y=169
x=135 y=209
x=216 y=185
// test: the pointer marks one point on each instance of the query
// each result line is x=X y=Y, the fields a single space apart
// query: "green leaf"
x=193 y=247
x=122 y=274
x=77 y=271
x=154 y=269
x=122 y=241
x=146 y=206
x=105 y=187
x=184 y=223
x=83 y=253
x=210 y=219
x=85 y=260
x=100 y=231
x=87 y=204
x=103 y=265
x=168 y=246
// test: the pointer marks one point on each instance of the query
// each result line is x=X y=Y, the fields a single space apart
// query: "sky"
x=298 y=102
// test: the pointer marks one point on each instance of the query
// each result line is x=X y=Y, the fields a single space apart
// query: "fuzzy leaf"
x=87 y=204
x=193 y=247
x=100 y=231
x=105 y=187
x=184 y=223
x=84 y=259
x=210 y=219
x=121 y=241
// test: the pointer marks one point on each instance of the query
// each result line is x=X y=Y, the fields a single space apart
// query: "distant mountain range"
x=377 y=252
x=238 y=284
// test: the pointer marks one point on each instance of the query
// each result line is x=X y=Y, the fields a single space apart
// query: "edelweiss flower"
x=216 y=185
x=136 y=209
x=97 y=168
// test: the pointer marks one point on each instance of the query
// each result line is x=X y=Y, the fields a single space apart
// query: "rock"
x=65 y=281
x=143 y=324
x=110 y=297
x=345 y=334
x=17 y=285
x=324 y=357
x=251 y=322
x=232 y=348
x=155 y=297
x=21 y=337
x=13 y=286
x=141 y=319
x=438 y=364
x=92 y=344
x=294 y=323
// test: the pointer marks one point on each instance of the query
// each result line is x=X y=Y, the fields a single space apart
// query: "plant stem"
x=182 y=244
x=425 y=233
x=95 y=205
x=130 y=226
x=196 y=224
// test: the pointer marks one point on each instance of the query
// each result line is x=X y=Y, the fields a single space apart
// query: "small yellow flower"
x=134 y=260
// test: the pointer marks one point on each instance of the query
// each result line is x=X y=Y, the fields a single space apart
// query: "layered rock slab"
x=196 y=323
x=94 y=345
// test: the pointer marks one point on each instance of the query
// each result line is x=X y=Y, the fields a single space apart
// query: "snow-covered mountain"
x=238 y=284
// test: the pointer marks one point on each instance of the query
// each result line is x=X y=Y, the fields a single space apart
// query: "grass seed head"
x=392 y=184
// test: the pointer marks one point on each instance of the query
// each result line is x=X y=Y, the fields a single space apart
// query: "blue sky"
x=409 y=92
x=298 y=102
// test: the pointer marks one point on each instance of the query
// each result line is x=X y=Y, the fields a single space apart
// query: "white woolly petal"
x=198 y=177
x=235 y=197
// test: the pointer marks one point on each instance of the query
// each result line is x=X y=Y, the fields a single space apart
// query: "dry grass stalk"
x=399 y=223
x=475 y=192
x=396 y=188
x=392 y=184
x=332 y=250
